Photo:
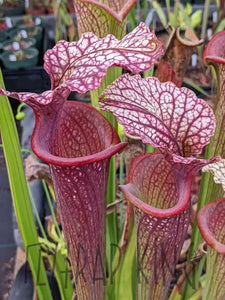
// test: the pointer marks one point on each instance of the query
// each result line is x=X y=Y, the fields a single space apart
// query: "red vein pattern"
x=211 y=222
x=159 y=186
x=160 y=113
x=118 y=6
x=217 y=169
x=102 y=17
x=78 y=142
x=78 y=149
x=82 y=65
x=86 y=141
x=160 y=193
x=214 y=55
x=179 y=124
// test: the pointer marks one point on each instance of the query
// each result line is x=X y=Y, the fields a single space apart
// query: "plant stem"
x=51 y=209
x=121 y=194
x=205 y=19
x=112 y=224
x=37 y=215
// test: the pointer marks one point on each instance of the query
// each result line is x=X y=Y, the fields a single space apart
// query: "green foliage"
x=20 y=196
x=122 y=268
x=22 y=199
x=64 y=24
x=220 y=26
x=138 y=13
x=180 y=16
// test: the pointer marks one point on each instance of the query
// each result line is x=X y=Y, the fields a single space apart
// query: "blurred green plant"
x=65 y=27
x=178 y=16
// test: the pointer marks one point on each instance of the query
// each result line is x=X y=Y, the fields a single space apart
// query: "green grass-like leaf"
x=60 y=269
x=20 y=196
x=160 y=12
x=123 y=273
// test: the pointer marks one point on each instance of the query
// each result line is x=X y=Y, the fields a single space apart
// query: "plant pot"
x=30 y=31
x=50 y=10
x=4 y=35
x=6 y=24
x=15 y=9
x=29 y=21
x=36 y=11
x=23 y=286
x=21 y=44
x=5 y=27
x=30 y=61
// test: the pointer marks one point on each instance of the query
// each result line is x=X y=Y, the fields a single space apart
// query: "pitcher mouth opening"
x=203 y=220
x=66 y=162
x=43 y=146
x=176 y=196
x=178 y=208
